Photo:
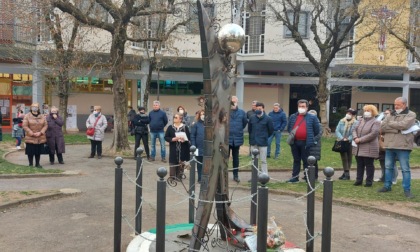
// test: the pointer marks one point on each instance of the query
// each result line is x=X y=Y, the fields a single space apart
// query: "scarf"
x=347 y=126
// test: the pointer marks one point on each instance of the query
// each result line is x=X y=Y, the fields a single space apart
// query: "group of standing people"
x=39 y=129
x=364 y=137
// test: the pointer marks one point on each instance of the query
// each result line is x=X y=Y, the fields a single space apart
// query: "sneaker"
x=384 y=189
x=99 y=156
x=378 y=180
x=394 y=182
x=18 y=148
x=163 y=160
x=293 y=180
x=236 y=179
x=408 y=194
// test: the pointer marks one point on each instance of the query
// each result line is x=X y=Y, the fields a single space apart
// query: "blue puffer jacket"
x=197 y=136
x=279 y=120
x=237 y=123
x=312 y=127
x=158 y=120
x=260 y=128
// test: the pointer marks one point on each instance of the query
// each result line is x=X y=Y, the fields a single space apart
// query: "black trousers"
x=59 y=156
x=235 y=159
x=362 y=163
x=145 y=139
x=95 y=147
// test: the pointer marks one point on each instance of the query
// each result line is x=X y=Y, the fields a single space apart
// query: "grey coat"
x=100 y=127
x=54 y=134
x=367 y=131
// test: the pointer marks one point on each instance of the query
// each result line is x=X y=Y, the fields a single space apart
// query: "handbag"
x=291 y=138
x=45 y=149
x=91 y=131
x=341 y=146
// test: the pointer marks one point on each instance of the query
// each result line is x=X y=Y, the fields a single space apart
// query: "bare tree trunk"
x=120 y=141
x=63 y=94
x=323 y=96
x=147 y=89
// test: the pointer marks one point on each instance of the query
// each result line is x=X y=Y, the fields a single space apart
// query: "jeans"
x=300 y=153
x=346 y=159
x=18 y=141
x=161 y=136
x=262 y=156
x=277 y=135
x=235 y=159
x=404 y=158
x=382 y=163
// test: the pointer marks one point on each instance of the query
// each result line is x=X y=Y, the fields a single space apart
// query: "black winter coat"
x=260 y=128
x=197 y=136
x=178 y=151
x=140 y=123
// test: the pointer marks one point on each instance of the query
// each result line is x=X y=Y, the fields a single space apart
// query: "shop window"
x=168 y=87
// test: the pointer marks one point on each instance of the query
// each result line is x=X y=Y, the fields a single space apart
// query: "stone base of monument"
x=177 y=238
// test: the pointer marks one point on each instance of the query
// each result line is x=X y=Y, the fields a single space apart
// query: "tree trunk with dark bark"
x=323 y=94
x=120 y=141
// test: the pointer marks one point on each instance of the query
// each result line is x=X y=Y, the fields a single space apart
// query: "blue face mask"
x=96 y=114
x=258 y=112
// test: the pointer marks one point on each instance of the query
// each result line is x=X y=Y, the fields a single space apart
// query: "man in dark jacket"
x=237 y=123
x=279 y=122
x=307 y=128
x=141 y=132
x=260 y=127
x=158 y=121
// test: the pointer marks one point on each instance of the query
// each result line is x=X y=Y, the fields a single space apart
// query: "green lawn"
x=346 y=190
x=328 y=157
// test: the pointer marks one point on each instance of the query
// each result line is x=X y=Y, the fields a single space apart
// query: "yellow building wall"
x=367 y=52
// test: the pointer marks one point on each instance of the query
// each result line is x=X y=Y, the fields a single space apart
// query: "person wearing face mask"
x=35 y=126
x=98 y=121
x=141 y=131
x=237 y=124
x=260 y=127
x=55 y=138
x=366 y=147
x=398 y=145
x=343 y=131
x=186 y=118
x=307 y=128
x=197 y=139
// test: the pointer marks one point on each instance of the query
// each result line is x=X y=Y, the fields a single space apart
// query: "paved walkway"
x=85 y=222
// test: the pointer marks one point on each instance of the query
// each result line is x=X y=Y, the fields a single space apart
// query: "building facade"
x=271 y=67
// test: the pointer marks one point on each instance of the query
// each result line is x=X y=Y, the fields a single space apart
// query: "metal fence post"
x=254 y=187
x=310 y=211
x=327 y=210
x=262 y=213
x=118 y=204
x=161 y=209
x=139 y=190
x=191 y=208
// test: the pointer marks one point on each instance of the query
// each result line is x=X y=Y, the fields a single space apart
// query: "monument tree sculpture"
x=218 y=77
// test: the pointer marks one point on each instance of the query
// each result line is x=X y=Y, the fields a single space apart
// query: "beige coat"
x=367 y=131
x=33 y=124
x=393 y=125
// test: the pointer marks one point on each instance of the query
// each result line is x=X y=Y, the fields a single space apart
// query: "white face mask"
x=348 y=117
x=398 y=111
x=202 y=118
x=367 y=114
x=301 y=110
x=181 y=111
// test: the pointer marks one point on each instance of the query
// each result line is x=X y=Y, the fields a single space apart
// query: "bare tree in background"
x=122 y=16
x=408 y=35
x=330 y=23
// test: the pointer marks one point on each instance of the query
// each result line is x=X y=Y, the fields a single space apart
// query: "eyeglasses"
x=175 y=117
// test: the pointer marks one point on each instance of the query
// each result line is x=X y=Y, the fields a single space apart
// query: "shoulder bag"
x=91 y=131
x=291 y=138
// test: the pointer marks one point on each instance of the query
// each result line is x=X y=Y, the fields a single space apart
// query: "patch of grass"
x=346 y=190
x=328 y=157
x=9 y=168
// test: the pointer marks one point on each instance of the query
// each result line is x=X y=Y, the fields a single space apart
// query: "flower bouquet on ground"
x=275 y=236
